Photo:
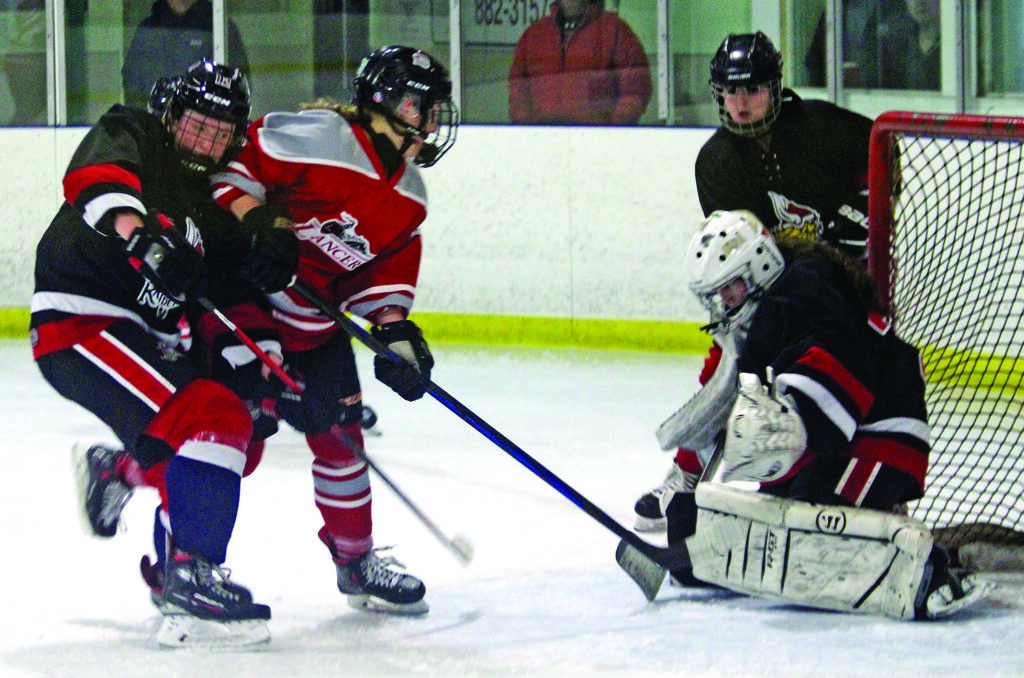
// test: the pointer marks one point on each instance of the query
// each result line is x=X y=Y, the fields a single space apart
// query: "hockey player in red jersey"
x=800 y=166
x=114 y=272
x=348 y=177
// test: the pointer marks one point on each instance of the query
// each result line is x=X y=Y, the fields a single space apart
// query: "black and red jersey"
x=83 y=279
x=859 y=388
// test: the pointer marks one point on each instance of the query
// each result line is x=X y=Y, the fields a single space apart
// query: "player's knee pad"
x=203 y=410
x=237 y=367
x=831 y=557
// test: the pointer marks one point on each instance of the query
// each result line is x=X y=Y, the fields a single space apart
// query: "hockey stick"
x=252 y=345
x=459 y=545
x=648 y=574
x=668 y=558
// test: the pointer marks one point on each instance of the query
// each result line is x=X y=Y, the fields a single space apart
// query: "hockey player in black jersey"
x=828 y=410
x=114 y=273
x=800 y=166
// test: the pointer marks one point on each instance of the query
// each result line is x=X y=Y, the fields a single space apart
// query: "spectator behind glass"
x=911 y=48
x=175 y=35
x=23 y=63
x=580 y=64
x=860 y=44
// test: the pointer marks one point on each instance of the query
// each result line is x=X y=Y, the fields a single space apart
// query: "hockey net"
x=947 y=248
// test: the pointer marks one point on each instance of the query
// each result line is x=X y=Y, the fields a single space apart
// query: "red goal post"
x=947 y=249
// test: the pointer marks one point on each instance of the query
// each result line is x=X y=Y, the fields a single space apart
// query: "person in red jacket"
x=579 y=65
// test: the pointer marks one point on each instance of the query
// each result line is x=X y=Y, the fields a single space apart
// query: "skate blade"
x=79 y=466
x=182 y=630
x=647 y=574
x=374 y=604
x=940 y=607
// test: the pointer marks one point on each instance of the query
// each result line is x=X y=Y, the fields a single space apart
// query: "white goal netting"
x=947 y=246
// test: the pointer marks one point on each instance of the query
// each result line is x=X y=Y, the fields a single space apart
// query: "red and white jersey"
x=358 y=239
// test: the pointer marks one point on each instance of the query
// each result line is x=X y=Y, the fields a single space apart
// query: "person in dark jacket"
x=800 y=166
x=175 y=35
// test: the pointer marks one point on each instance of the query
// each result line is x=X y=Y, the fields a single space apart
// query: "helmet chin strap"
x=404 y=130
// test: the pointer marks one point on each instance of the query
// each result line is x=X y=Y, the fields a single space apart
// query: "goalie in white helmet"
x=829 y=402
x=811 y=317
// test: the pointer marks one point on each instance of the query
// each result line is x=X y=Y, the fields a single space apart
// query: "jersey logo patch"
x=337 y=238
x=156 y=300
x=795 y=220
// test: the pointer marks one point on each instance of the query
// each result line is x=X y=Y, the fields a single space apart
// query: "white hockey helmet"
x=732 y=261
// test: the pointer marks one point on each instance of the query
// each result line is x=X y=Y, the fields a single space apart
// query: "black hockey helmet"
x=210 y=89
x=160 y=95
x=747 y=60
x=389 y=75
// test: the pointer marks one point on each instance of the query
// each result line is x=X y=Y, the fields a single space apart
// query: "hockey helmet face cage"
x=733 y=260
x=210 y=90
x=390 y=75
x=747 y=64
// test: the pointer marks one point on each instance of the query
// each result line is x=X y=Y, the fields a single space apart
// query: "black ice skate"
x=378 y=584
x=944 y=591
x=202 y=606
x=101 y=494
x=650 y=508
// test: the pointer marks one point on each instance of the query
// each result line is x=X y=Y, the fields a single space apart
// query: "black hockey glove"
x=160 y=252
x=408 y=378
x=273 y=255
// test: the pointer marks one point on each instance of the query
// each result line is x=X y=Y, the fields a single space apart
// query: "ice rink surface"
x=542 y=597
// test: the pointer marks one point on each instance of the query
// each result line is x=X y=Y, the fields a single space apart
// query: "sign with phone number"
x=499 y=22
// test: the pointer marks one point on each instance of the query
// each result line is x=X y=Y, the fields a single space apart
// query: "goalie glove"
x=410 y=376
x=765 y=435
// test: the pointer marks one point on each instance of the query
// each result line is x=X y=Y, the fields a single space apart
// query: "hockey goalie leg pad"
x=829 y=557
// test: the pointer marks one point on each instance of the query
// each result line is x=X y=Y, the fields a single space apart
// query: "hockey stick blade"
x=647 y=574
x=669 y=559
